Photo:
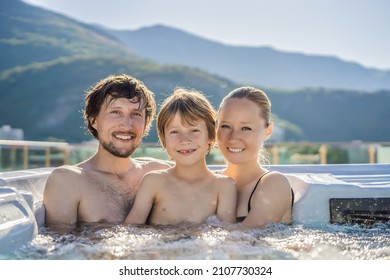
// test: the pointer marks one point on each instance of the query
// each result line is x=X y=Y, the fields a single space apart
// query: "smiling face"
x=186 y=143
x=120 y=125
x=241 y=130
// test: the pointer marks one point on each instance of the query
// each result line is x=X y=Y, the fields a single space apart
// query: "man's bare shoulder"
x=64 y=183
x=65 y=175
x=65 y=171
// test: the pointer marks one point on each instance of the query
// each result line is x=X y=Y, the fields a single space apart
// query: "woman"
x=244 y=123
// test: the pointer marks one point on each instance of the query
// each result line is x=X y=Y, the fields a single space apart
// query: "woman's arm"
x=271 y=201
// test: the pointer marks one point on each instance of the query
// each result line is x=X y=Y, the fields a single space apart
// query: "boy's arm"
x=144 y=200
x=227 y=202
x=61 y=199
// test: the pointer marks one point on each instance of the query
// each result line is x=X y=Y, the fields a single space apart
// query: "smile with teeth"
x=186 y=152
x=235 y=150
x=124 y=137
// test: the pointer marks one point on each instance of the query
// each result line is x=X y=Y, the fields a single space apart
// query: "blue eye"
x=246 y=128
x=225 y=126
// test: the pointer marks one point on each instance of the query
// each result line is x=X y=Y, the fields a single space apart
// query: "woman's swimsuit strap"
x=240 y=219
x=250 y=197
x=254 y=189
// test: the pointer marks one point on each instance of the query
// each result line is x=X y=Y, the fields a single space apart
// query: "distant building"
x=9 y=133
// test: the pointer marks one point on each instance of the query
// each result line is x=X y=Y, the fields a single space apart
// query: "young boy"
x=189 y=191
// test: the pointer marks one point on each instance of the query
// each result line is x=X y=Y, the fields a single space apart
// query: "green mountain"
x=262 y=66
x=335 y=115
x=30 y=34
x=46 y=99
x=48 y=61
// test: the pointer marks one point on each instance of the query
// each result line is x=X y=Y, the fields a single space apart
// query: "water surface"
x=212 y=240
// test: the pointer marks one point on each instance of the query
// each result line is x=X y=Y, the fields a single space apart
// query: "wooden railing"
x=323 y=149
x=20 y=154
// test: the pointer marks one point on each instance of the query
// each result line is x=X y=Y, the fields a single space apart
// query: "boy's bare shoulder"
x=156 y=175
x=222 y=177
x=224 y=180
x=154 y=180
x=150 y=163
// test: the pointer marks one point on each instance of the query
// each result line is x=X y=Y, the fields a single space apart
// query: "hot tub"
x=324 y=194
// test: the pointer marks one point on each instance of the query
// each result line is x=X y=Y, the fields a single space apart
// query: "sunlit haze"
x=353 y=30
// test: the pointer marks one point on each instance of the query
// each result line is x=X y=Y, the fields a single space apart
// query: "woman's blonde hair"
x=255 y=95
x=262 y=101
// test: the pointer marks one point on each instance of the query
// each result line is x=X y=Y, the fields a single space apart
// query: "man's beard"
x=109 y=147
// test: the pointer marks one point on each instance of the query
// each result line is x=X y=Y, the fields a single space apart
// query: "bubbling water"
x=211 y=240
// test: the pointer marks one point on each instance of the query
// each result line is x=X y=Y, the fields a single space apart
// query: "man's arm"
x=143 y=201
x=227 y=201
x=61 y=198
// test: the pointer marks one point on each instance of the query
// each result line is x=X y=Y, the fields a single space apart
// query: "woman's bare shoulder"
x=275 y=175
x=276 y=180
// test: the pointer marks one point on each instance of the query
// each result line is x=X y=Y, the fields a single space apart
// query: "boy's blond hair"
x=192 y=106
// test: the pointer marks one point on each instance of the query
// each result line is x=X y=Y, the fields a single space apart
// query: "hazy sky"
x=353 y=30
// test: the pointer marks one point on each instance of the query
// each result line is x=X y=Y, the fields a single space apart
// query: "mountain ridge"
x=46 y=69
x=263 y=66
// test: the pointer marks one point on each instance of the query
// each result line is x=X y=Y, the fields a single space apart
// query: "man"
x=118 y=112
